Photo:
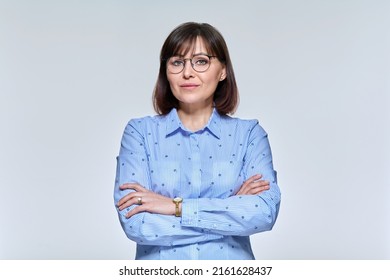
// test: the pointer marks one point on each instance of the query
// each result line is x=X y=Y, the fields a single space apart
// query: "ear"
x=223 y=74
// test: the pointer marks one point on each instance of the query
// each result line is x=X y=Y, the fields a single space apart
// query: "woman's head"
x=184 y=42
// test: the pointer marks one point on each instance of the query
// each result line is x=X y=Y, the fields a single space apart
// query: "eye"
x=175 y=61
x=200 y=60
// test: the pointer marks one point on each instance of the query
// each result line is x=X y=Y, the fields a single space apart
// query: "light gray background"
x=315 y=73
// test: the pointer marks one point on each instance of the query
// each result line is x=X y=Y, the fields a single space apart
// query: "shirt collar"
x=174 y=124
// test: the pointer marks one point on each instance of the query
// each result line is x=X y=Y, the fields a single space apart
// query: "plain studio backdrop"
x=314 y=73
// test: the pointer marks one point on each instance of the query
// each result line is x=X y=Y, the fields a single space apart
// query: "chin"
x=193 y=101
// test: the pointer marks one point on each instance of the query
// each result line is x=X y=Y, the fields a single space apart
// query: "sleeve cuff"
x=189 y=212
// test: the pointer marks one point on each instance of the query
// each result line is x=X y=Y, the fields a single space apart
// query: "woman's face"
x=194 y=88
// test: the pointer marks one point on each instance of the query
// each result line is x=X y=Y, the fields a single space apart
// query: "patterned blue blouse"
x=206 y=168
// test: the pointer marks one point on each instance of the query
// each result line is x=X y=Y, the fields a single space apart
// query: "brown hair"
x=182 y=39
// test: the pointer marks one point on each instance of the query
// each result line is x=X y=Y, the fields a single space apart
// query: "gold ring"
x=139 y=199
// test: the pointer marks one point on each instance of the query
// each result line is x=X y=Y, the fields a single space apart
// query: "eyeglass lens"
x=200 y=63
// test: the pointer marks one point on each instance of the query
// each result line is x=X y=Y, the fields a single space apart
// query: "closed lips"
x=188 y=85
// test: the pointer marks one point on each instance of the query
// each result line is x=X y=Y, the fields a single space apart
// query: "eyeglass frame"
x=192 y=64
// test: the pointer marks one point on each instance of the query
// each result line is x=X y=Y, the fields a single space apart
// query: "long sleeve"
x=245 y=214
x=145 y=228
x=206 y=168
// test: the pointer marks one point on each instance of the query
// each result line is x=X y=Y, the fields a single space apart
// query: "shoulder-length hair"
x=180 y=41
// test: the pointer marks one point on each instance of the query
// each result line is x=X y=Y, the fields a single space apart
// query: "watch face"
x=177 y=199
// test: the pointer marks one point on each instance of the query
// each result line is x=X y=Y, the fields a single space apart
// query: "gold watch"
x=177 y=201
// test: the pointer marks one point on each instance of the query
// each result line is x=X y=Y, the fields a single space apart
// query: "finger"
x=245 y=185
x=257 y=185
x=128 y=200
x=136 y=210
x=132 y=186
x=259 y=190
x=251 y=180
x=124 y=199
x=126 y=186
x=241 y=191
x=260 y=183
x=248 y=183
x=248 y=189
x=256 y=190
x=254 y=178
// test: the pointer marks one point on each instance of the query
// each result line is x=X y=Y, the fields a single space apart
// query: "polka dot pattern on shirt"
x=208 y=164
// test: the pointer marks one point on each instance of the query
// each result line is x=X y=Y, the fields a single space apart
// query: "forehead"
x=194 y=46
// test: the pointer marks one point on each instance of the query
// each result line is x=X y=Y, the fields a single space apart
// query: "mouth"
x=189 y=86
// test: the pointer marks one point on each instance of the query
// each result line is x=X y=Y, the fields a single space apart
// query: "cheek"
x=172 y=83
x=170 y=80
x=173 y=78
x=212 y=83
x=213 y=78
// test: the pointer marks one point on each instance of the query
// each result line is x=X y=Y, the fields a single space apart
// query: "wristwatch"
x=177 y=201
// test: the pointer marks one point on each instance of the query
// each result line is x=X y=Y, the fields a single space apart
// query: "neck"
x=194 y=118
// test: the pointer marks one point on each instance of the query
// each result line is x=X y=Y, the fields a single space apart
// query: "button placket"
x=196 y=174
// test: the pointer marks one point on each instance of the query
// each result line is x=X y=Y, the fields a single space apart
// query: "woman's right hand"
x=253 y=186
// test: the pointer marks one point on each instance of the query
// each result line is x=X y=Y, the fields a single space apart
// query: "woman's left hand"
x=253 y=186
x=146 y=200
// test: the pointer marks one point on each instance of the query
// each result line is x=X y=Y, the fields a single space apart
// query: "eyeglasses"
x=199 y=62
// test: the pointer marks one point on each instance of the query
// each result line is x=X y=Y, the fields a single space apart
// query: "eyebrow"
x=195 y=54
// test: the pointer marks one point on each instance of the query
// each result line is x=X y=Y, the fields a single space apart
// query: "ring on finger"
x=139 y=200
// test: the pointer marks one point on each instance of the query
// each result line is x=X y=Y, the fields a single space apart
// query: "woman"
x=192 y=182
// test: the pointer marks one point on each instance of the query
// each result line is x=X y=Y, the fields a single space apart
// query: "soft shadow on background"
x=315 y=73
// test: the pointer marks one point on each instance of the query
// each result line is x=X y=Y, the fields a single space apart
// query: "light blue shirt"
x=206 y=168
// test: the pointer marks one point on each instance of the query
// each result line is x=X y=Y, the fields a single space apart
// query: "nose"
x=188 y=71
